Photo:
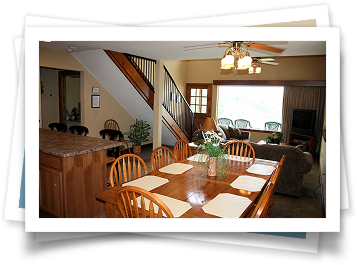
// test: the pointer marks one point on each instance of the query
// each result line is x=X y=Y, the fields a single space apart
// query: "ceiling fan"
x=237 y=55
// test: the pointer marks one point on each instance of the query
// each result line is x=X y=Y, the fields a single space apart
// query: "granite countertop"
x=65 y=144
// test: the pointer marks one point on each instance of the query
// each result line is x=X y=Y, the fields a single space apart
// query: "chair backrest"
x=161 y=157
x=135 y=202
x=111 y=134
x=61 y=127
x=182 y=150
x=225 y=121
x=126 y=168
x=81 y=130
x=262 y=207
x=111 y=124
x=240 y=148
x=240 y=123
x=272 y=126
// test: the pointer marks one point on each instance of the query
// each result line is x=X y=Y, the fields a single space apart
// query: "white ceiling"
x=174 y=50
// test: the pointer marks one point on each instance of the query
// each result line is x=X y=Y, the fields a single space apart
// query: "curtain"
x=312 y=98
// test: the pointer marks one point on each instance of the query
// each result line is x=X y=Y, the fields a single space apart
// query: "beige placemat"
x=198 y=158
x=147 y=182
x=261 y=169
x=177 y=207
x=227 y=205
x=248 y=183
x=240 y=158
x=175 y=168
x=270 y=162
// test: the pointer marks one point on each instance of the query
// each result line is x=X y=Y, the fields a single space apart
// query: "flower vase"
x=212 y=167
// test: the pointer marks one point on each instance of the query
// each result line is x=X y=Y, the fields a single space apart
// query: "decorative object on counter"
x=139 y=132
x=276 y=138
x=217 y=163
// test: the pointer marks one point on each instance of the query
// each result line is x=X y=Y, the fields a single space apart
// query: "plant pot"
x=212 y=167
x=137 y=149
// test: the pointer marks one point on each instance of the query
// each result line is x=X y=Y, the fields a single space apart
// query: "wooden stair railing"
x=176 y=113
x=134 y=76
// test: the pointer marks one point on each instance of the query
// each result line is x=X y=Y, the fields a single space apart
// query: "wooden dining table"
x=196 y=188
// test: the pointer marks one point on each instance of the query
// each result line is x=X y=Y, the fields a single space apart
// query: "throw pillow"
x=221 y=133
x=235 y=133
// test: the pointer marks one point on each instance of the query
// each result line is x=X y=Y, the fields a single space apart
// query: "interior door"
x=199 y=96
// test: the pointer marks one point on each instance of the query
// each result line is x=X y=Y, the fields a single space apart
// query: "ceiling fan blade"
x=266 y=48
x=270 y=63
x=266 y=59
x=271 y=42
x=204 y=45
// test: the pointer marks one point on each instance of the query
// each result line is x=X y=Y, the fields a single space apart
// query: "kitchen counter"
x=64 y=144
x=73 y=168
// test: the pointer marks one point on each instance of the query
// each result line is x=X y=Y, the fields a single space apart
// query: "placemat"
x=175 y=168
x=261 y=169
x=270 y=162
x=177 y=207
x=148 y=182
x=198 y=158
x=227 y=205
x=248 y=183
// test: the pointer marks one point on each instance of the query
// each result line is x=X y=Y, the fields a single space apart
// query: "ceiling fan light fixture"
x=258 y=70
x=227 y=62
x=251 y=70
x=245 y=62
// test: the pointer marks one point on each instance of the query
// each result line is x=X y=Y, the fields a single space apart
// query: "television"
x=303 y=121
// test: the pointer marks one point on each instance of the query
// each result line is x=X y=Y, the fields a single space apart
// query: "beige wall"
x=92 y=118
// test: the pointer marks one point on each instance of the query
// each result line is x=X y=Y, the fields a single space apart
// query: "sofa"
x=227 y=133
x=296 y=164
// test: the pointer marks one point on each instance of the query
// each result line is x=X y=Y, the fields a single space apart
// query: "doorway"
x=60 y=96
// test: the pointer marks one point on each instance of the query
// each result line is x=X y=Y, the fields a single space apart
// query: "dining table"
x=185 y=186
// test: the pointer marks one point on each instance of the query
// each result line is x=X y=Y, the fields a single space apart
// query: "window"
x=257 y=104
x=198 y=101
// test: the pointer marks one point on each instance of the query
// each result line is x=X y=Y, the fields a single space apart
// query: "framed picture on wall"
x=95 y=101
x=95 y=89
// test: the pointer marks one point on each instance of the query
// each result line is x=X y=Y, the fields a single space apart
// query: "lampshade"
x=258 y=70
x=245 y=62
x=209 y=125
x=251 y=70
x=227 y=62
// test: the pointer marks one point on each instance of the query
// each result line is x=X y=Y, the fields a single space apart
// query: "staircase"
x=119 y=73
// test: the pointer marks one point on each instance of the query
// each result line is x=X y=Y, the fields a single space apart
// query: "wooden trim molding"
x=269 y=82
x=132 y=75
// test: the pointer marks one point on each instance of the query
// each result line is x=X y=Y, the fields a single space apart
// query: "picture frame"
x=95 y=101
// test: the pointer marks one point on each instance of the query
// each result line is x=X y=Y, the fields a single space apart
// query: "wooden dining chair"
x=274 y=179
x=113 y=125
x=161 y=157
x=182 y=150
x=57 y=126
x=240 y=148
x=81 y=130
x=262 y=207
x=126 y=168
x=135 y=202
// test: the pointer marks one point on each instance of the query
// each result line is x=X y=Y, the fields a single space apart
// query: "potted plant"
x=276 y=138
x=212 y=159
x=138 y=133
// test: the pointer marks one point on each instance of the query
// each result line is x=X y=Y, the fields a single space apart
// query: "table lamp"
x=209 y=125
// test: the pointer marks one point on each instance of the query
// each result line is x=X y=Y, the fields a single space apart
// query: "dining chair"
x=113 y=125
x=161 y=157
x=135 y=202
x=126 y=168
x=57 y=126
x=272 y=126
x=182 y=150
x=240 y=148
x=81 y=130
x=262 y=207
x=274 y=179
